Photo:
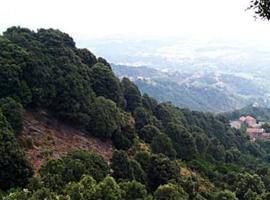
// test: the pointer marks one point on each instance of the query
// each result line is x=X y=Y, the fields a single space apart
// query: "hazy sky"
x=92 y=18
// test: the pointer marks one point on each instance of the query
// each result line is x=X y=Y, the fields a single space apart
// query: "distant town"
x=254 y=129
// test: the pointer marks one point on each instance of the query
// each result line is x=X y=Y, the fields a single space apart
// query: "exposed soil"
x=44 y=137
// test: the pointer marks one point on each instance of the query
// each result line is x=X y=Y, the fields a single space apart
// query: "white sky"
x=92 y=18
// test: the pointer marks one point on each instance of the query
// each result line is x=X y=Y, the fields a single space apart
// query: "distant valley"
x=213 y=75
x=202 y=91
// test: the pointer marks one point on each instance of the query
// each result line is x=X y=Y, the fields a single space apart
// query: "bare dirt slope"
x=44 y=138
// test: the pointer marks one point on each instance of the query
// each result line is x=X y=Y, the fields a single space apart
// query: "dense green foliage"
x=57 y=173
x=163 y=144
x=14 y=168
x=156 y=141
x=13 y=112
x=260 y=113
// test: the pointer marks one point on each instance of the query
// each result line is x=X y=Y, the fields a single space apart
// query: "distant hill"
x=214 y=92
x=259 y=112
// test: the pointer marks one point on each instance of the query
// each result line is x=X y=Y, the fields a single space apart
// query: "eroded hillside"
x=44 y=137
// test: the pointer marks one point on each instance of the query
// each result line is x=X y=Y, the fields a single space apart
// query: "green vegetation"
x=260 y=113
x=161 y=151
x=13 y=112
x=15 y=170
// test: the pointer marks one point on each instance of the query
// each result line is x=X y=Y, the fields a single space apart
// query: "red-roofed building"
x=250 y=121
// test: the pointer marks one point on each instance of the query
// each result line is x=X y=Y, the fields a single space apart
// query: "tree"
x=108 y=189
x=261 y=8
x=162 y=144
x=148 y=132
x=12 y=61
x=266 y=196
x=216 y=150
x=133 y=190
x=120 y=165
x=13 y=112
x=94 y=164
x=104 y=62
x=202 y=142
x=104 y=118
x=86 y=57
x=170 y=192
x=149 y=103
x=248 y=185
x=183 y=141
x=124 y=137
x=226 y=195
x=43 y=193
x=125 y=168
x=142 y=117
x=132 y=94
x=17 y=195
x=104 y=83
x=166 y=113
x=137 y=173
x=85 y=189
x=250 y=195
x=57 y=173
x=15 y=170
x=161 y=170
x=143 y=157
x=233 y=155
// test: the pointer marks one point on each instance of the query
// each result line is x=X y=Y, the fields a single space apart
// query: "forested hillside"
x=160 y=151
x=261 y=113
x=202 y=91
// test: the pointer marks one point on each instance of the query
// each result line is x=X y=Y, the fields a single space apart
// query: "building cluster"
x=253 y=128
